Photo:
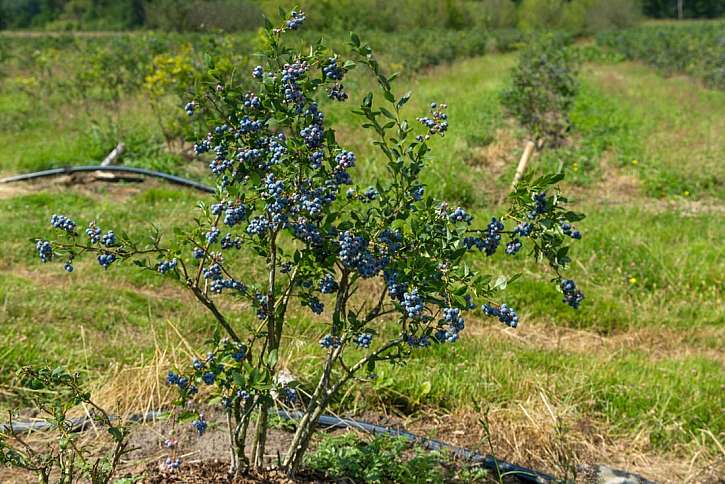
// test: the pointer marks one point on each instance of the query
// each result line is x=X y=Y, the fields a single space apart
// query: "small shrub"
x=543 y=88
x=382 y=459
x=55 y=392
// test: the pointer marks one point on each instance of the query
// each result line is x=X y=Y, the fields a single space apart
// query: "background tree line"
x=239 y=15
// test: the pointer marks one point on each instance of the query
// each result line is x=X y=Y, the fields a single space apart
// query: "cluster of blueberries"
x=490 y=241
x=94 y=233
x=172 y=464
x=289 y=394
x=229 y=242
x=182 y=382
x=45 y=250
x=217 y=283
x=63 y=223
x=109 y=239
x=504 y=314
x=315 y=305
x=570 y=231
x=455 y=324
x=438 y=124
x=189 y=108
x=513 y=246
x=572 y=296
x=200 y=424
x=460 y=215
x=540 y=205
x=364 y=340
x=328 y=285
x=413 y=304
x=328 y=341
x=296 y=19
x=334 y=72
x=524 y=229
x=291 y=74
x=355 y=254
x=105 y=260
x=166 y=265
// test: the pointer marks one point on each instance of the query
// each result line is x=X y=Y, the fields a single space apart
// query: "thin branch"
x=219 y=316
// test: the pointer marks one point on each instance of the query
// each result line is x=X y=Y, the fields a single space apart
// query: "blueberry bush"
x=384 y=268
x=543 y=88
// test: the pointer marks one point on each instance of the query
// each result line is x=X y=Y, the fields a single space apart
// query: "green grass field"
x=635 y=378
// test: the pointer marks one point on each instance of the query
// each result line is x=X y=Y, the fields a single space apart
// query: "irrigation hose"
x=118 y=169
x=504 y=468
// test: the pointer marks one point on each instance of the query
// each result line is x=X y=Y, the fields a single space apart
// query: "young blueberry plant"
x=542 y=90
x=383 y=268
x=54 y=393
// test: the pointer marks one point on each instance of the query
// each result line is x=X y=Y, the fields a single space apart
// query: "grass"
x=640 y=363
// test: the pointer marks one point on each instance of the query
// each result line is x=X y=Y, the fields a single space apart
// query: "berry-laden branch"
x=286 y=197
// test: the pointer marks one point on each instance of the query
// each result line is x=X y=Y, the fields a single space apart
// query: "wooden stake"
x=113 y=155
x=528 y=151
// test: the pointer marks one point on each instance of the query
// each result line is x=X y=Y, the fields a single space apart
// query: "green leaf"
x=387 y=113
x=368 y=100
x=116 y=433
x=425 y=388
x=404 y=99
x=574 y=216
x=271 y=358
x=501 y=283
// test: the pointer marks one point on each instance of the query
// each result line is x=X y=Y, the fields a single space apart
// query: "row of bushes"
x=97 y=72
x=56 y=55
x=695 y=49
